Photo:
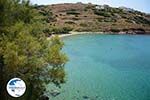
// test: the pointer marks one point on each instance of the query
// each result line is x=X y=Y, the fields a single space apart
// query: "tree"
x=26 y=53
x=61 y=30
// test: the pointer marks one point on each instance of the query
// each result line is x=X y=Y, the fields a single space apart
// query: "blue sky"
x=141 y=5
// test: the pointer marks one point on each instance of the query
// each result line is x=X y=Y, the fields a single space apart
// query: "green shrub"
x=110 y=20
x=66 y=29
x=102 y=13
x=70 y=22
x=100 y=19
x=47 y=31
x=75 y=18
x=83 y=24
x=114 y=30
x=139 y=19
x=62 y=30
x=72 y=12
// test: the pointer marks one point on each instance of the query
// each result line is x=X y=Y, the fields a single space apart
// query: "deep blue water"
x=107 y=67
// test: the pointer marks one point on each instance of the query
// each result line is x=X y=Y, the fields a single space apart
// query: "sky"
x=141 y=5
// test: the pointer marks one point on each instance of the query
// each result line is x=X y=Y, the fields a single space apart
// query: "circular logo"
x=16 y=87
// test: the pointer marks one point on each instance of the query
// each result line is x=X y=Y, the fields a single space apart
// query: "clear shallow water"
x=107 y=67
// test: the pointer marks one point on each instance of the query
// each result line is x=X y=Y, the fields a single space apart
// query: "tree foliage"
x=61 y=30
x=26 y=53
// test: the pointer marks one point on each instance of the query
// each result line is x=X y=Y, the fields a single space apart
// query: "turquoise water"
x=107 y=67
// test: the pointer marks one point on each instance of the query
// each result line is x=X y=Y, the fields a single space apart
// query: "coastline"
x=74 y=33
x=80 y=33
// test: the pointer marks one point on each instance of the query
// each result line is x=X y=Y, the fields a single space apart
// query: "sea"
x=106 y=67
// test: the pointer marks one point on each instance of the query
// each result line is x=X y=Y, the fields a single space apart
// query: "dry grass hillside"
x=90 y=17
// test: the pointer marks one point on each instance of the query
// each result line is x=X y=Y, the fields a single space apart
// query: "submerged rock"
x=44 y=97
x=97 y=97
x=55 y=93
x=86 y=97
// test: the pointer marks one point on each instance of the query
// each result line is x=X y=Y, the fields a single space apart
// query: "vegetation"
x=102 y=13
x=72 y=12
x=61 y=30
x=114 y=30
x=70 y=22
x=90 y=17
x=25 y=51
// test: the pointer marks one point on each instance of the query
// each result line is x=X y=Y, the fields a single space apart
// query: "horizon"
x=142 y=6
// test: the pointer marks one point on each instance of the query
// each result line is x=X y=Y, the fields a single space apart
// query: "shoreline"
x=73 y=33
x=80 y=33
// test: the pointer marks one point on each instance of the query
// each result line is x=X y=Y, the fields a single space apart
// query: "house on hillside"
x=127 y=9
x=100 y=7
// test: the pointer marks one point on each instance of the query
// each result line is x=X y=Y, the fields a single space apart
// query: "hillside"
x=96 y=18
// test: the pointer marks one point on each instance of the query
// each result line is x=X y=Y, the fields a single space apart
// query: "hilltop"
x=96 y=18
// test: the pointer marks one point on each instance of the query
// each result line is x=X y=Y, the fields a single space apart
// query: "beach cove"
x=106 y=67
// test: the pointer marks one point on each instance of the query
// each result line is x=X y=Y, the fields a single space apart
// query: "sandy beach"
x=78 y=33
x=75 y=33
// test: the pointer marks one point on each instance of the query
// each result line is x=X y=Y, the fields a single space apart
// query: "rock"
x=97 y=97
x=55 y=93
x=44 y=97
x=85 y=97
